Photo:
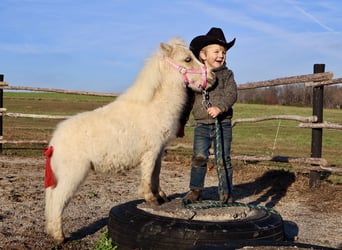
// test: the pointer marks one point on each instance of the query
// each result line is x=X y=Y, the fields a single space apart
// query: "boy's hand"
x=214 y=111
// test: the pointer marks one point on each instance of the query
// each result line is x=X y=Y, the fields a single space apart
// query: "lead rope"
x=218 y=143
x=219 y=159
x=207 y=204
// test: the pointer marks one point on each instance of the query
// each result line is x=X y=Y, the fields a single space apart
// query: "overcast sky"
x=100 y=45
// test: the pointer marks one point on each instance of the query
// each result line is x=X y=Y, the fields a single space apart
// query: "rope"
x=207 y=204
x=218 y=156
x=218 y=143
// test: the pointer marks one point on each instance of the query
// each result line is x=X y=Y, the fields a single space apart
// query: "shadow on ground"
x=88 y=230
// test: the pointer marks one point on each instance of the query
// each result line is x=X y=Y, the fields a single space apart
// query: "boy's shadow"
x=267 y=189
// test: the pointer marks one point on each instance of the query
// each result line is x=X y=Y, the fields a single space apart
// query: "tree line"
x=291 y=95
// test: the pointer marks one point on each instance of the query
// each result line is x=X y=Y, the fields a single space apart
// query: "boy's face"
x=213 y=55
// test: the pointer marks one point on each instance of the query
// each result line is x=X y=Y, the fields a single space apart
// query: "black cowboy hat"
x=214 y=36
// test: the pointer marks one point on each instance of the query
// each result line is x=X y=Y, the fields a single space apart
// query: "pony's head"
x=195 y=75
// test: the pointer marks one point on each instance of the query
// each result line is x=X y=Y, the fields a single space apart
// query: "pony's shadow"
x=88 y=230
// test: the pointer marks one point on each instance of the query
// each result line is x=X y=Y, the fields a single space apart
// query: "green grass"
x=283 y=137
x=51 y=103
x=105 y=243
x=275 y=137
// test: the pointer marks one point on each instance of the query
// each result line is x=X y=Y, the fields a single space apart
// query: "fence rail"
x=4 y=85
x=317 y=80
x=318 y=77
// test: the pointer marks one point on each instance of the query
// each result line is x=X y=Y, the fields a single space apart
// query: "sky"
x=101 y=45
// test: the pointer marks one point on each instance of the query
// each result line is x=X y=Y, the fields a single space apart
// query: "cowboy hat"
x=214 y=36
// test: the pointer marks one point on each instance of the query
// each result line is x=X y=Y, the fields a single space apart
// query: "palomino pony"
x=132 y=131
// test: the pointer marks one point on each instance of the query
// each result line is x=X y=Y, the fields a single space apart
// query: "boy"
x=214 y=103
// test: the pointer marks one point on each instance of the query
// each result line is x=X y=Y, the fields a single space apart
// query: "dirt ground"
x=311 y=217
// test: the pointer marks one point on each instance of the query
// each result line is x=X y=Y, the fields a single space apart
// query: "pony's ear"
x=166 y=48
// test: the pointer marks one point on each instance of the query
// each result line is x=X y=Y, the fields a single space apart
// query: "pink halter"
x=184 y=72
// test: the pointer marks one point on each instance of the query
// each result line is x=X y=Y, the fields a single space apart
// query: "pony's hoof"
x=60 y=241
x=57 y=237
x=153 y=203
x=162 y=200
x=162 y=196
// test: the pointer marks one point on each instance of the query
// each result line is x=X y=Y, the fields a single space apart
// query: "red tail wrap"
x=49 y=178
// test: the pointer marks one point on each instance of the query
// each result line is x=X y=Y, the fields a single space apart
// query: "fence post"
x=1 y=106
x=317 y=133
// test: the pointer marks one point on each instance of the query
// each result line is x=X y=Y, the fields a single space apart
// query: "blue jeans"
x=204 y=135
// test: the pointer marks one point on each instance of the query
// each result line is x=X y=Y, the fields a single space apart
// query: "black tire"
x=132 y=228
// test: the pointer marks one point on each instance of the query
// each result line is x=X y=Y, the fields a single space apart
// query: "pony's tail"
x=49 y=184
x=49 y=177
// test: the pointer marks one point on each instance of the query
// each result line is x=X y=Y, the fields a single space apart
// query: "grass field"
x=267 y=138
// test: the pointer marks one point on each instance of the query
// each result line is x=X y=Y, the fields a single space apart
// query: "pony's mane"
x=146 y=81
x=177 y=41
x=149 y=78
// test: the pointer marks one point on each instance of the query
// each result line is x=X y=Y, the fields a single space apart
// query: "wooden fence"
x=317 y=80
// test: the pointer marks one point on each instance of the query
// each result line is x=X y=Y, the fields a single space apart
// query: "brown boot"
x=194 y=195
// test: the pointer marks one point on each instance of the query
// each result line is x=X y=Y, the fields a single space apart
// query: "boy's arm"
x=230 y=93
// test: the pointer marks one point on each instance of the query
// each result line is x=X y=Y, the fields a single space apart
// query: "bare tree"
x=296 y=94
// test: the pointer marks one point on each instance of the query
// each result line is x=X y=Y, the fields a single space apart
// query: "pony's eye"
x=188 y=59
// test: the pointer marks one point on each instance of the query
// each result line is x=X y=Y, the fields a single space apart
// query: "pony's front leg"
x=156 y=189
x=149 y=187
